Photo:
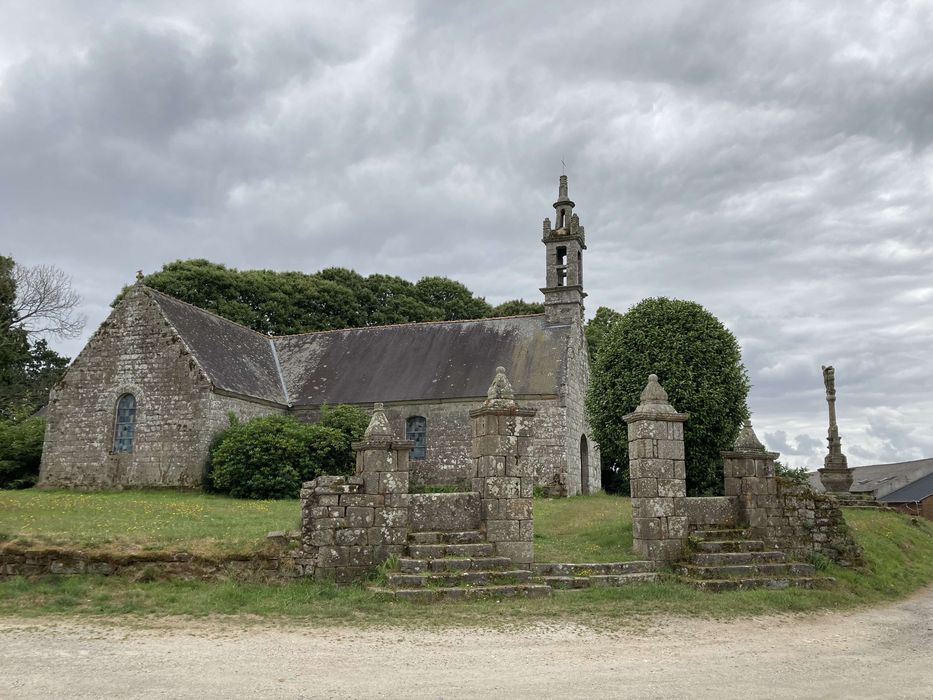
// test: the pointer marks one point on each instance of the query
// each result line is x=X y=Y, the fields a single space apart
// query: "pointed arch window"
x=125 y=428
x=416 y=428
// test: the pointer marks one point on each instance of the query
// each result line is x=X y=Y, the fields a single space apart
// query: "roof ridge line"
x=206 y=311
x=409 y=323
x=330 y=330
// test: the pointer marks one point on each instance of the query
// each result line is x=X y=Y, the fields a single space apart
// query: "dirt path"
x=873 y=653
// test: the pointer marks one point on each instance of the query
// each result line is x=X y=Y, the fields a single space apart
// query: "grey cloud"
x=771 y=162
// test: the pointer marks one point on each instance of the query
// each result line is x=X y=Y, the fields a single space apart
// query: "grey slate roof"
x=882 y=479
x=423 y=361
x=912 y=493
x=414 y=361
x=234 y=357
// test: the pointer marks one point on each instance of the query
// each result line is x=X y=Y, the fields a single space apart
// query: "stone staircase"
x=457 y=566
x=865 y=501
x=580 y=576
x=727 y=560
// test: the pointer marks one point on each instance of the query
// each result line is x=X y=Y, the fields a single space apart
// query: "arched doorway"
x=584 y=466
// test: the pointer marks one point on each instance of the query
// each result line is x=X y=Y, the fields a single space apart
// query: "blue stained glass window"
x=416 y=428
x=126 y=424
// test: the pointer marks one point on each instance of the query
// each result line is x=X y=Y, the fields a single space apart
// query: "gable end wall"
x=134 y=351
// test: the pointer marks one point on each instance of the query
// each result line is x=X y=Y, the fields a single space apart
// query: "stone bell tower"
x=565 y=243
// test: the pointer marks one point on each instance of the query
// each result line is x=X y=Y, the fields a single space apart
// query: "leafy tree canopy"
x=698 y=362
x=598 y=327
x=282 y=303
x=28 y=367
x=518 y=307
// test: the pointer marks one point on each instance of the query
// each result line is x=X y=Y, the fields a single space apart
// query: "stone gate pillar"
x=504 y=475
x=748 y=471
x=351 y=524
x=658 y=475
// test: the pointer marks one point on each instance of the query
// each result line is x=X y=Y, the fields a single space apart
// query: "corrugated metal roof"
x=423 y=361
x=912 y=493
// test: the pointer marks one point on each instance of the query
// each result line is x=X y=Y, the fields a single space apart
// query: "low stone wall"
x=444 y=512
x=346 y=532
x=708 y=512
x=35 y=560
x=801 y=522
x=786 y=515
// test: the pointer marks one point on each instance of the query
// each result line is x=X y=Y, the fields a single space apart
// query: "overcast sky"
x=771 y=161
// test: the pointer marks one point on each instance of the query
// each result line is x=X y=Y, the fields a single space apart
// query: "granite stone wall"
x=37 y=560
x=786 y=515
x=135 y=351
x=351 y=524
x=573 y=397
x=554 y=449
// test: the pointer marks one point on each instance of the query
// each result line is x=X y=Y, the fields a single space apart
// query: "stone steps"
x=746 y=584
x=720 y=534
x=434 y=595
x=462 y=537
x=581 y=582
x=721 y=546
x=595 y=569
x=727 y=558
x=417 y=566
x=452 y=579
x=439 y=551
x=745 y=571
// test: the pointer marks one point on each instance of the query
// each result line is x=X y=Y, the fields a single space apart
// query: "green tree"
x=452 y=300
x=598 y=327
x=517 y=307
x=28 y=367
x=270 y=457
x=20 y=452
x=699 y=363
x=352 y=422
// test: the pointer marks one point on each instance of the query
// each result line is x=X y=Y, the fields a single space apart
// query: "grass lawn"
x=148 y=520
x=583 y=529
x=580 y=529
x=899 y=555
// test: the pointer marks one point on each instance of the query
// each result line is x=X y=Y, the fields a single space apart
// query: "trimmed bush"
x=20 y=452
x=699 y=363
x=270 y=457
x=352 y=422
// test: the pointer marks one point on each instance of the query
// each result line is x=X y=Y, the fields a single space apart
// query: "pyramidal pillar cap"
x=748 y=441
x=653 y=398
x=378 y=428
x=654 y=404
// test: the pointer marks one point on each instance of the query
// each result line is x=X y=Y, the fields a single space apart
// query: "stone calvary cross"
x=835 y=474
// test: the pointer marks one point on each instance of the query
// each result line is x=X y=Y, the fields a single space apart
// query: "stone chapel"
x=141 y=403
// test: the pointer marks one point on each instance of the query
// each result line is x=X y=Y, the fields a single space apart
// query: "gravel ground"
x=881 y=652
